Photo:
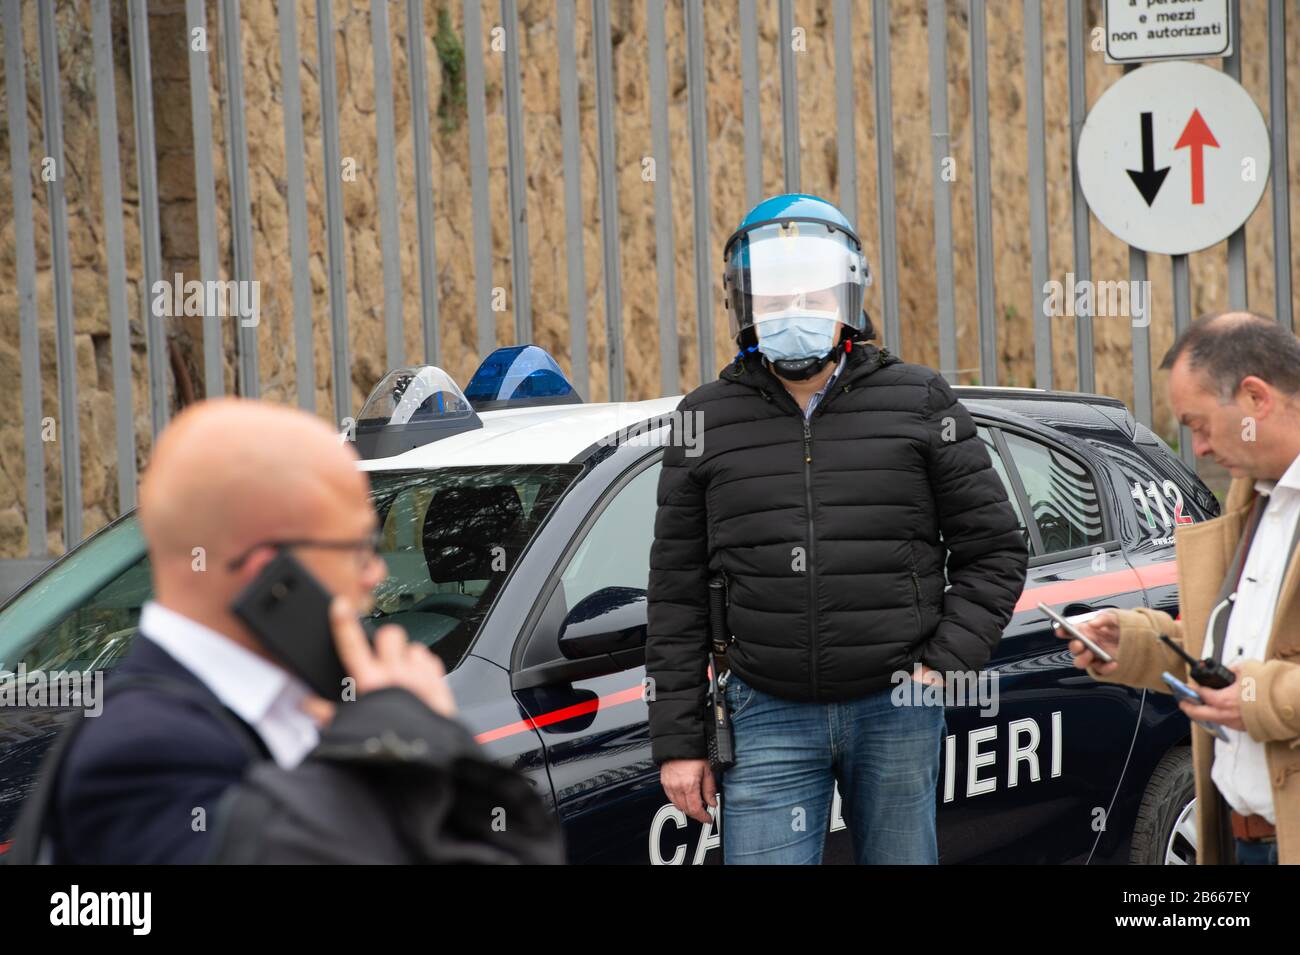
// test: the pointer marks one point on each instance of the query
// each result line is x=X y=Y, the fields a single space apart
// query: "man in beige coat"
x=1235 y=382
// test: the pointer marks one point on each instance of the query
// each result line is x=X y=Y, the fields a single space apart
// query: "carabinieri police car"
x=517 y=523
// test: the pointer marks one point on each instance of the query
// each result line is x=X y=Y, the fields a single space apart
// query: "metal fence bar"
x=1238 y=283
x=1039 y=241
x=61 y=265
x=389 y=240
x=700 y=186
x=480 y=201
x=846 y=131
x=295 y=162
x=146 y=164
x=516 y=169
x=1137 y=272
x=1141 y=334
x=421 y=141
x=607 y=164
x=1280 y=163
x=892 y=332
x=241 y=216
x=16 y=572
x=341 y=365
x=665 y=249
x=29 y=344
x=110 y=177
x=205 y=197
x=940 y=154
x=1182 y=318
x=789 y=95
x=750 y=105
x=1075 y=39
x=576 y=270
x=979 y=107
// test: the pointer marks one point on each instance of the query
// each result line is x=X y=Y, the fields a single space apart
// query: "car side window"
x=1062 y=497
x=1158 y=497
x=616 y=550
x=1000 y=467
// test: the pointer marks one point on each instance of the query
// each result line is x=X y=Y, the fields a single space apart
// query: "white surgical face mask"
x=797 y=333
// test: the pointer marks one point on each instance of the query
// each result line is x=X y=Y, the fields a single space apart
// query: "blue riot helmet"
x=794 y=279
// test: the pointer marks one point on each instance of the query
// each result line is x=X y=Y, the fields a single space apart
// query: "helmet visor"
x=794 y=269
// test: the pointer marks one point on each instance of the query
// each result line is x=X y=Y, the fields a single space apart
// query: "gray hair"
x=1230 y=346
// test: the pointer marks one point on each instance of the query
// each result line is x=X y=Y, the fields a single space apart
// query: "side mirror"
x=609 y=621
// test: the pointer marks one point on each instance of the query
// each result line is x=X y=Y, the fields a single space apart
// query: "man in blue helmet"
x=831 y=487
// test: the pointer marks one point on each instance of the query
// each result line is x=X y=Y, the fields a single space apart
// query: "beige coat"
x=1271 y=715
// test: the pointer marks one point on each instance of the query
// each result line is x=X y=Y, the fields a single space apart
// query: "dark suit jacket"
x=141 y=781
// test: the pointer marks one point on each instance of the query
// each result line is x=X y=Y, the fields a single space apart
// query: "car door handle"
x=1074 y=609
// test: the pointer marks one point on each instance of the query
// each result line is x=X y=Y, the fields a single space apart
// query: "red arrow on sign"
x=1195 y=137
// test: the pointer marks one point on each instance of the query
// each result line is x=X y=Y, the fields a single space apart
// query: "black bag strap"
x=29 y=843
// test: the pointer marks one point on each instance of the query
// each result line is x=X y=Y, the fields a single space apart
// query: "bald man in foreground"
x=231 y=481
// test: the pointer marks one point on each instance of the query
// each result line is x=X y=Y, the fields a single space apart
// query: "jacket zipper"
x=812 y=548
x=808 y=503
x=812 y=538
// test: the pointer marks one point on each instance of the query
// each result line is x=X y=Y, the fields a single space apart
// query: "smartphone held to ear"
x=288 y=610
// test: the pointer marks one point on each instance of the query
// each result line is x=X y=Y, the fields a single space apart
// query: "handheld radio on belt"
x=722 y=754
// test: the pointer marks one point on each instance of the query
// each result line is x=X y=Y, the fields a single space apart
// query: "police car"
x=517 y=523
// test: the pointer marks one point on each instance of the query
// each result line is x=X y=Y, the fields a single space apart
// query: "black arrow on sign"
x=1148 y=179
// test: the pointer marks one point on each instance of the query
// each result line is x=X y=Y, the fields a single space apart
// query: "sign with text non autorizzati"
x=1141 y=30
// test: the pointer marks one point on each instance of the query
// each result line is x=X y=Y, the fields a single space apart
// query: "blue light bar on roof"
x=519 y=376
x=411 y=407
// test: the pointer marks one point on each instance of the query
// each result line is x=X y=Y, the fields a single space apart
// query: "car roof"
x=552 y=434
x=1057 y=410
x=1034 y=394
x=557 y=434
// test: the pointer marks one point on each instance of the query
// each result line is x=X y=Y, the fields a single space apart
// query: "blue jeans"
x=1256 y=853
x=776 y=800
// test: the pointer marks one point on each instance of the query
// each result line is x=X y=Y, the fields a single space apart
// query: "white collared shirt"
x=1240 y=770
x=263 y=695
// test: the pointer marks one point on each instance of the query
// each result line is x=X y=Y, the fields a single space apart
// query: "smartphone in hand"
x=1184 y=692
x=1076 y=633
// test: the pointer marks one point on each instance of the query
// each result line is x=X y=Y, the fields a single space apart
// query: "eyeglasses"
x=368 y=547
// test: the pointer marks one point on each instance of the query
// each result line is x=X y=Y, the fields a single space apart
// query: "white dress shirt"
x=263 y=695
x=1240 y=769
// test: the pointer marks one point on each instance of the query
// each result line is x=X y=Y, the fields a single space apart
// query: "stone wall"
x=545 y=201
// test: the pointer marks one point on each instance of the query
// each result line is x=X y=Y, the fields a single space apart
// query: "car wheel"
x=1165 y=830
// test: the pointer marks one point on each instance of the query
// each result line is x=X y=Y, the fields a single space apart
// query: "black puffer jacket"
x=828 y=532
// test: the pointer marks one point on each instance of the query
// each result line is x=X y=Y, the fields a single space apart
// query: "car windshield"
x=449 y=537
